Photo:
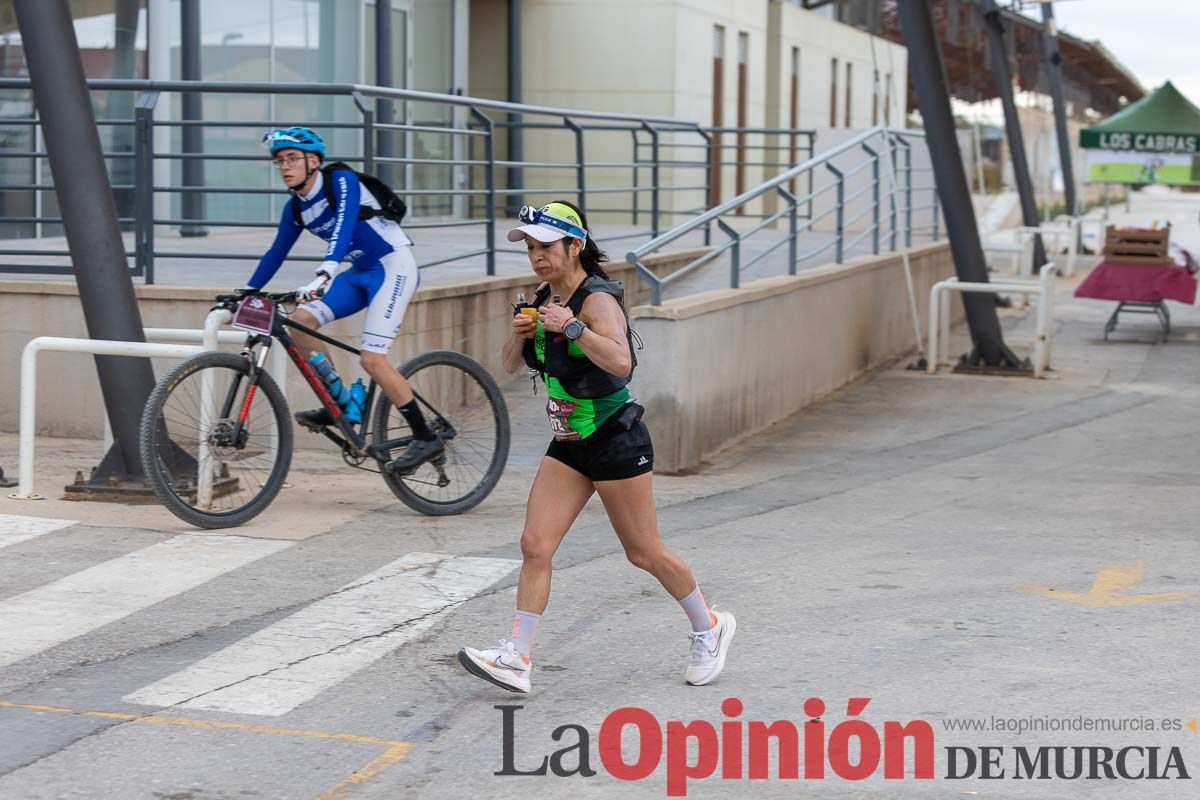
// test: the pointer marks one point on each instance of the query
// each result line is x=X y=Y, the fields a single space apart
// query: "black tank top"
x=576 y=372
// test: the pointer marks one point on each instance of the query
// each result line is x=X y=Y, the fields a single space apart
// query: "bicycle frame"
x=351 y=441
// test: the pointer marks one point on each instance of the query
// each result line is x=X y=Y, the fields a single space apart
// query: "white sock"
x=524 y=627
x=697 y=611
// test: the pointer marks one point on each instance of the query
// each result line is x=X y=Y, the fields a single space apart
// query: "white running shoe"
x=709 y=649
x=502 y=665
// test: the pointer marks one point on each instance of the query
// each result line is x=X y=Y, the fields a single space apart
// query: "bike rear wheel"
x=244 y=470
x=463 y=405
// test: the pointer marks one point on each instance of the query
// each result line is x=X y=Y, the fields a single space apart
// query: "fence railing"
x=450 y=170
x=891 y=214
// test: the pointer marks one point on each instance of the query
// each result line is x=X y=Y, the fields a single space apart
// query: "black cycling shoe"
x=314 y=420
x=419 y=451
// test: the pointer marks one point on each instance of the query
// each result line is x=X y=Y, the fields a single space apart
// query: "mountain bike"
x=216 y=434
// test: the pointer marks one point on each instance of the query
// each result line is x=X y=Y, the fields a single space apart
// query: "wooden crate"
x=1137 y=245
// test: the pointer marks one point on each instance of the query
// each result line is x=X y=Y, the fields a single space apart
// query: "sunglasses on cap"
x=564 y=220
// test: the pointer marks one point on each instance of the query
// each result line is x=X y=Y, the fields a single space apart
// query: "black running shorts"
x=609 y=454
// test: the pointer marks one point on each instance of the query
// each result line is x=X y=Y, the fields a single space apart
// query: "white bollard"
x=28 y=412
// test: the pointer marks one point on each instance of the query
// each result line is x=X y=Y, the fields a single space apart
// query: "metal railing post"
x=907 y=191
x=708 y=176
x=489 y=153
x=655 y=178
x=579 y=175
x=635 y=162
x=735 y=254
x=368 y=131
x=840 y=214
x=793 y=227
x=891 y=143
x=874 y=198
x=812 y=149
x=143 y=186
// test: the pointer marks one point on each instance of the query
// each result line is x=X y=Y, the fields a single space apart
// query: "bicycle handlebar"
x=230 y=301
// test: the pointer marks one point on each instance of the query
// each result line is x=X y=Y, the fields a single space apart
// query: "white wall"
x=655 y=57
x=820 y=40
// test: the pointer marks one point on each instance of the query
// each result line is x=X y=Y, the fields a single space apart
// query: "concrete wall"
x=471 y=317
x=724 y=364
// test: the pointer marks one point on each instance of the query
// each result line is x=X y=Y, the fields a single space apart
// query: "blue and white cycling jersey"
x=383 y=275
x=363 y=242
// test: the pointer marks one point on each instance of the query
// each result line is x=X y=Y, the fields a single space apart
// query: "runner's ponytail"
x=591 y=256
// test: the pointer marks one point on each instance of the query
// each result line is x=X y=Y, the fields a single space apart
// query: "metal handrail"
x=473 y=134
x=893 y=139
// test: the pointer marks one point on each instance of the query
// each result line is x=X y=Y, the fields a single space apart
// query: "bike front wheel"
x=204 y=467
x=463 y=405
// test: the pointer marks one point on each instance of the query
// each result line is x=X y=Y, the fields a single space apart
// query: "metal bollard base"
x=110 y=490
x=972 y=364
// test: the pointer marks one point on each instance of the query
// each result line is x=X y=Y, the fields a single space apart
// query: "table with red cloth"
x=1139 y=289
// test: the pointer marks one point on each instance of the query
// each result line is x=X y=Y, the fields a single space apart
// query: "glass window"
x=433 y=71
x=112 y=44
x=849 y=85
x=833 y=92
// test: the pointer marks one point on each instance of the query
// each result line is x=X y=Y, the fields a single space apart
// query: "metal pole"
x=143 y=183
x=327 y=53
x=891 y=143
x=581 y=199
x=516 y=177
x=489 y=154
x=1012 y=124
x=192 y=203
x=1054 y=61
x=933 y=99
x=735 y=254
x=655 y=179
x=89 y=216
x=120 y=104
x=874 y=198
x=908 y=217
x=634 y=193
x=708 y=176
x=839 y=209
x=793 y=227
x=368 y=131
x=383 y=77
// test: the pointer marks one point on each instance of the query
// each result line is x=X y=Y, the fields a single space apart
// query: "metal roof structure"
x=1092 y=76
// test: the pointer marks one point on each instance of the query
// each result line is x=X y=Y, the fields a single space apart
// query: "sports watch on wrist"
x=574 y=329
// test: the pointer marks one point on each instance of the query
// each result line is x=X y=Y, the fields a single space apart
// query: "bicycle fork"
x=256 y=368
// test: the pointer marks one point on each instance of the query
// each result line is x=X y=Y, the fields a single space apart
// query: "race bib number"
x=255 y=314
x=558 y=411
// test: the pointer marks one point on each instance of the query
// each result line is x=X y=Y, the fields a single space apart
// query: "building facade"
x=746 y=64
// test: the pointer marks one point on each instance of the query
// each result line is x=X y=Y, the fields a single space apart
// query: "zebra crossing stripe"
x=84 y=601
x=281 y=666
x=15 y=529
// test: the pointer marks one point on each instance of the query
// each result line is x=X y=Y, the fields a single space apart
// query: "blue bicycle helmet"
x=295 y=137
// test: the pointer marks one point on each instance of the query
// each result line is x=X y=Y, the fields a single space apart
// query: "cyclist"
x=584 y=351
x=382 y=275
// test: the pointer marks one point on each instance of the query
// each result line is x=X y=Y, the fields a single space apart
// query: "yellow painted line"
x=395 y=752
x=374 y=767
x=1110 y=587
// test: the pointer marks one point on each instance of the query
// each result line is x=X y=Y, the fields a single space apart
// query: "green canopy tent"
x=1155 y=140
